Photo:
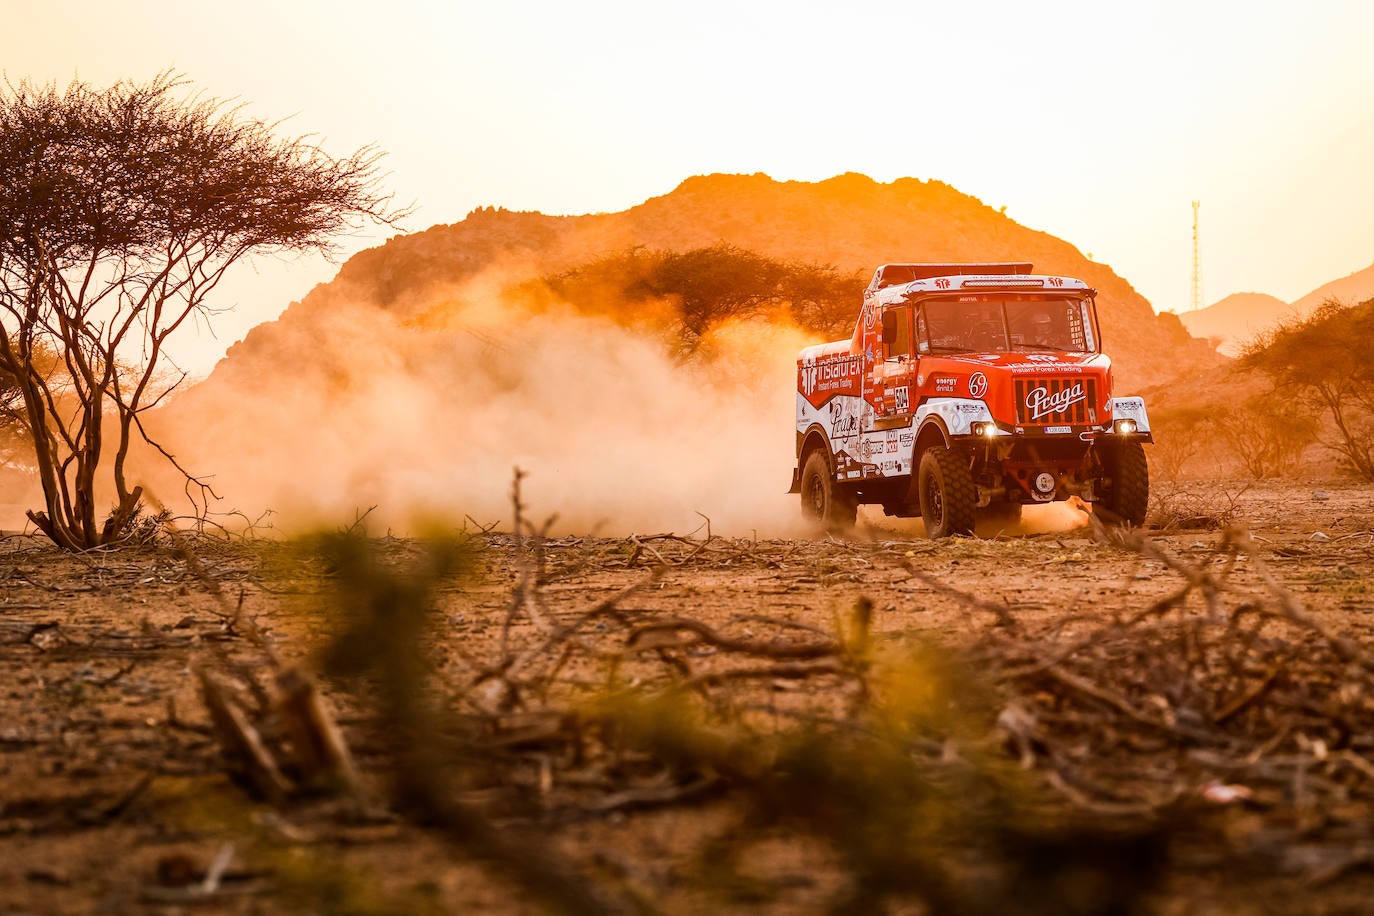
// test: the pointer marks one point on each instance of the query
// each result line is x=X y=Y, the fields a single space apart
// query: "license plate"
x=1058 y=429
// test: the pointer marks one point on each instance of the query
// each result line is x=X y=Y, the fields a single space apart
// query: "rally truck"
x=967 y=390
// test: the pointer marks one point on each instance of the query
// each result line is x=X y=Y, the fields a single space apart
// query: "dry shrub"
x=1192 y=506
x=1267 y=434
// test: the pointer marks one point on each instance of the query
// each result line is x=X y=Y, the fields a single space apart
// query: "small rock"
x=1219 y=793
x=1320 y=536
x=1321 y=496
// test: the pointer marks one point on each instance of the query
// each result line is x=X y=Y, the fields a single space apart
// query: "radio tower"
x=1196 y=301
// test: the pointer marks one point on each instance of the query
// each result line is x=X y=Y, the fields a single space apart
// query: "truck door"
x=898 y=366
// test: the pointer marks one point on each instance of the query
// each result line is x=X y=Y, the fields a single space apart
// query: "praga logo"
x=977 y=384
x=1039 y=401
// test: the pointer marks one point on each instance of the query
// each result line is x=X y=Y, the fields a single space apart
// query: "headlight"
x=983 y=428
x=1124 y=427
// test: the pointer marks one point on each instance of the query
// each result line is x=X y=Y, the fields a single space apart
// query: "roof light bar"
x=1002 y=282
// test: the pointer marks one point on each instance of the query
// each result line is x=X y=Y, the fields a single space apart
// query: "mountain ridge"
x=1239 y=317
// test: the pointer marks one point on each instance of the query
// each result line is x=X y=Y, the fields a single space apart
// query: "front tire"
x=947 y=493
x=823 y=500
x=1127 y=496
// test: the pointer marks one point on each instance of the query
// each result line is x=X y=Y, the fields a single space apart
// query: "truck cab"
x=967 y=390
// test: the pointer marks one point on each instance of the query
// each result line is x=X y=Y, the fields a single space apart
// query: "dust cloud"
x=425 y=412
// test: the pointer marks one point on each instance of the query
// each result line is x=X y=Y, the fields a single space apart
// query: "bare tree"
x=121 y=209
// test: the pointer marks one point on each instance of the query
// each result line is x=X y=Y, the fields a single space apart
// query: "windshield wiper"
x=951 y=348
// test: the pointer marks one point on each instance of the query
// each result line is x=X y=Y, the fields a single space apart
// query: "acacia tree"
x=121 y=209
x=713 y=285
x=1326 y=362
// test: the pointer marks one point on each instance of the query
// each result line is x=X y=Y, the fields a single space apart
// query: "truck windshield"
x=1008 y=322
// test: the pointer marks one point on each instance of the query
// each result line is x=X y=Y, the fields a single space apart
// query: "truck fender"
x=955 y=416
x=807 y=442
x=1130 y=409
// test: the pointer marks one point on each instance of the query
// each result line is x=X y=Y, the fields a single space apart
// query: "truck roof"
x=982 y=283
x=897 y=274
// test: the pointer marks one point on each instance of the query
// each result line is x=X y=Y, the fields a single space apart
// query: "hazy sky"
x=1095 y=121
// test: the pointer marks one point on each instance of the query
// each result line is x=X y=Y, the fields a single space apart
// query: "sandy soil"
x=114 y=795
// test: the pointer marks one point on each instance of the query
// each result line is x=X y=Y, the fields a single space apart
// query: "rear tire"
x=1127 y=487
x=946 y=492
x=823 y=500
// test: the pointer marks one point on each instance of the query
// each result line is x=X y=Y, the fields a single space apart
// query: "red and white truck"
x=967 y=389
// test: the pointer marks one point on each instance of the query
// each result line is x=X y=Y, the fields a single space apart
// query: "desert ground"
x=1083 y=721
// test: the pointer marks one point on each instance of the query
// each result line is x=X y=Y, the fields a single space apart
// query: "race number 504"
x=902 y=399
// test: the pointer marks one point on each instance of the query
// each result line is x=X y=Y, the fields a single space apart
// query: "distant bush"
x=1268 y=435
x=1182 y=433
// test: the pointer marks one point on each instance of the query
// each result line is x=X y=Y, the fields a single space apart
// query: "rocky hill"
x=850 y=222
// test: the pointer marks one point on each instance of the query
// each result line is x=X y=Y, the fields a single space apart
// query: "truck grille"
x=1051 y=401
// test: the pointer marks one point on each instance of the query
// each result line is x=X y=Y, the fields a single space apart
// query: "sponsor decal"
x=907 y=440
x=942 y=283
x=1058 y=429
x=1056 y=281
x=1042 y=358
x=891 y=446
x=1029 y=368
x=844 y=421
x=977 y=384
x=889 y=465
x=944 y=384
x=969 y=408
x=1040 y=402
x=830 y=375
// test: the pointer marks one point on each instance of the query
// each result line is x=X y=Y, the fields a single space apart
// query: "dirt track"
x=112 y=791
